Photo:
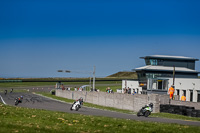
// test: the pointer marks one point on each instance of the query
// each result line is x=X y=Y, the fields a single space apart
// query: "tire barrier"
x=180 y=110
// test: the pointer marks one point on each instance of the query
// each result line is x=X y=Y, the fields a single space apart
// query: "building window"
x=157 y=84
x=147 y=62
x=153 y=62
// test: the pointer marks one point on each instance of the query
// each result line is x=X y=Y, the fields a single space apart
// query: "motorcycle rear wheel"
x=139 y=113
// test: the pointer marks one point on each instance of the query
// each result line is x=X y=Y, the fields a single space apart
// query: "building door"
x=178 y=93
x=191 y=95
x=160 y=85
x=184 y=92
x=198 y=96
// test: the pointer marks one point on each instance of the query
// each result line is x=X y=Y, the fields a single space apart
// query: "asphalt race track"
x=36 y=101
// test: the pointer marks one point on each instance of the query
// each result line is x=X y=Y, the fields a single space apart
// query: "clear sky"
x=38 y=37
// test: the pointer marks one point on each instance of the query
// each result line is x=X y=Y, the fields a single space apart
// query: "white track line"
x=2 y=100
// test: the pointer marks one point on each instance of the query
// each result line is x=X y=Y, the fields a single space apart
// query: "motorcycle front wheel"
x=77 y=108
x=16 y=103
x=147 y=113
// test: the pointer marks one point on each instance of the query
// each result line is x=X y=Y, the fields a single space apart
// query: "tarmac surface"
x=31 y=100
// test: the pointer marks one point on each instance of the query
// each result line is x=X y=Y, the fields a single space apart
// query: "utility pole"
x=174 y=76
x=94 y=79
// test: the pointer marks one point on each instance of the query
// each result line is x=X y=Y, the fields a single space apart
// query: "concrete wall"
x=116 y=100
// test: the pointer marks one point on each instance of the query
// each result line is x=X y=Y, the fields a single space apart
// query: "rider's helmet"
x=81 y=98
x=21 y=97
x=151 y=104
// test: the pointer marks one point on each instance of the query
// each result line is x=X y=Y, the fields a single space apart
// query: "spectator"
x=111 y=91
x=108 y=90
x=126 y=90
x=183 y=98
x=129 y=90
x=57 y=86
x=62 y=86
x=133 y=92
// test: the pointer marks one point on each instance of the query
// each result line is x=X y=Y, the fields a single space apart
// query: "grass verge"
x=17 y=119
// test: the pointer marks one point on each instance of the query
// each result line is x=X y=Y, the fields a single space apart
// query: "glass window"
x=147 y=62
x=153 y=62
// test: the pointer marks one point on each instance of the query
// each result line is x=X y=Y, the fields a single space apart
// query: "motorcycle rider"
x=146 y=110
x=80 y=100
x=151 y=105
x=148 y=105
x=5 y=92
x=19 y=99
x=11 y=90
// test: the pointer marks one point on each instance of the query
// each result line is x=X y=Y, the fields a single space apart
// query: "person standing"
x=62 y=86
x=171 y=92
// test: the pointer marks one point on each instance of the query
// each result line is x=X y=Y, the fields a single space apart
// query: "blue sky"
x=38 y=37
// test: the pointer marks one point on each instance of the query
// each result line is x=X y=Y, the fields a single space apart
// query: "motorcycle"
x=18 y=100
x=145 y=111
x=5 y=92
x=76 y=105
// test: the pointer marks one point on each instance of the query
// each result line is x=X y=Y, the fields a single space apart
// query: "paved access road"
x=35 y=101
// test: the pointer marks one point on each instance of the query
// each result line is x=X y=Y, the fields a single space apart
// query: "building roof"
x=165 y=68
x=169 y=57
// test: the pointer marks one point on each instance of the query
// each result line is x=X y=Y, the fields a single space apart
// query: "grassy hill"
x=129 y=75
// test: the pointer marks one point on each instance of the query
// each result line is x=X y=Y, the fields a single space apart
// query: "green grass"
x=17 y=119
x=162 y=115
x=25 y=84
x=101 y=85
